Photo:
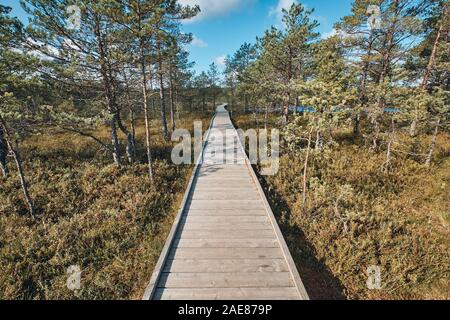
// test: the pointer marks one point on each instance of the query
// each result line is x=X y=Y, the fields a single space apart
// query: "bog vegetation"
x=87 y=109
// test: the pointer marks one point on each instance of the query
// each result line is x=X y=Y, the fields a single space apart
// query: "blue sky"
x=223 y=25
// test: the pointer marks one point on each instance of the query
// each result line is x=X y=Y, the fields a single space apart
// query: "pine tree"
x=236 y=66
x=201 y=84
x=178 y=66
x=214 y=88
x=16 y=75
x=433 y=54
x=288 y=52
x=82 y=55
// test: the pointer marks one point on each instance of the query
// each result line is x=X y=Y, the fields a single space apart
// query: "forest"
x=88 y=106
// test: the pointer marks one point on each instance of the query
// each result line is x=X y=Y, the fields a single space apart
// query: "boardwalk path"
x=225 y=242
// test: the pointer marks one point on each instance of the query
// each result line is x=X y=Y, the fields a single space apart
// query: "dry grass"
x=357 y=216
x=111 y=222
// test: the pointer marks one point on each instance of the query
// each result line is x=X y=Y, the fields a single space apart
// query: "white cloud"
x=278 y=10
x=215 y=8
x=220 y=61
x=339 y=33
x=199 y=43
x=330 y=34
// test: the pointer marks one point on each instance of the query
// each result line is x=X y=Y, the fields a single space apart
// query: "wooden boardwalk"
x=225 y=243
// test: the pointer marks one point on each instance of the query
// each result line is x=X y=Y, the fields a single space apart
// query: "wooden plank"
x=203 y=194
x=226 y=280
x=234 y=168
x=221 y=167
x=226 y=243
x=227 y=226
x=230 y=184
x=225 y=218
x=222 y=160
x=262 y=294
x=228 y=179
x=226 y=253
x=226 y=204
x=227 y=234
x=225 y=155
x=226 y=266
x=224 y=188
x=225 y=212
x=225 y=173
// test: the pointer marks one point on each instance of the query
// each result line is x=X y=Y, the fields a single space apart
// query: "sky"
x=223 y=25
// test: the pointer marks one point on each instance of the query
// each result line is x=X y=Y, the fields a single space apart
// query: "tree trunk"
x=147 y=126
x=115 y=140
x=255 y=115
x=387 y=54
x=376 y=134
x=130 y=150
x=245 y=103
x=161 y=94
x=23 y=182
x=3 y=154
x=203 y=103
x=16 y=155
x=432 y=60
x=285 y=114
x=357 y=124
x=266 y=117
x=133 y=131
x=108 y=91
x=305 y=170
x=413 y=128
x=176 y=105
x=385 y=71
x=172 y=101
x=433 y=144
x=131 y=136
x=430 y=66
x=145 y=100
x=286 y=109
x=362 y=89
x=389 y=147
x=318 y=143
x=163 y=107
x=133 y=125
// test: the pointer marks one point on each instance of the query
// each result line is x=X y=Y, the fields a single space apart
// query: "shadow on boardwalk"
x=317 y=278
